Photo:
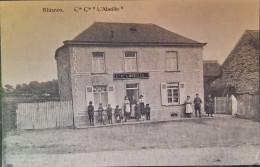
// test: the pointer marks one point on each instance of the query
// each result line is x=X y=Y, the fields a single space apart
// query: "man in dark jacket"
x=91 y=113
x=197 y=101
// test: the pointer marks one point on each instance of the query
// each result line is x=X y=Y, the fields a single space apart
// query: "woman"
x=127 y=108
x=188 y=103
x=141 y=104
x=209 y=106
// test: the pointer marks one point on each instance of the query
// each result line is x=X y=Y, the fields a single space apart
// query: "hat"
x=90 y=102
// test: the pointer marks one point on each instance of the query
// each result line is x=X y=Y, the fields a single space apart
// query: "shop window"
x=98 y=62
x=100 y=95
x=172 y=61
x=130 y=61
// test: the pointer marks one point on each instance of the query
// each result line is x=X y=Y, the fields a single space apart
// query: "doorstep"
x=142 y=121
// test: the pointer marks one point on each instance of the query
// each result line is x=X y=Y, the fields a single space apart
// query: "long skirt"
x=209 y=109
x=142 y=108
x=133 y=110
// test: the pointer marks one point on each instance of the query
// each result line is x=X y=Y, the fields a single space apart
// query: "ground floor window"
x=173 y=93
x=100 y=95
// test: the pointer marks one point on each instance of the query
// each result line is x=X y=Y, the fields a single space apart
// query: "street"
x=222 y=140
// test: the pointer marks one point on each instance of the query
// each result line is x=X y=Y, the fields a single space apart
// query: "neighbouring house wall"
x=248 y=106
x=241 y=68
x=149 y=59
x=64 y=78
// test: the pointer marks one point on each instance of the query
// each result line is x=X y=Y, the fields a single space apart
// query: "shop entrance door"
x=132 y=91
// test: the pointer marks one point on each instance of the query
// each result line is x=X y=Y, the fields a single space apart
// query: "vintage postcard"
x=130 y=83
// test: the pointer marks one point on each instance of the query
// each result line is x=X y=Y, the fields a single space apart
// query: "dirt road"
x=220 y=141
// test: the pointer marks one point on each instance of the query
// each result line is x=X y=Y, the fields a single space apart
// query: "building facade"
x=109 y=61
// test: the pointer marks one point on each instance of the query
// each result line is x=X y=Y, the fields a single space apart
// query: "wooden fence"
x=44 y=115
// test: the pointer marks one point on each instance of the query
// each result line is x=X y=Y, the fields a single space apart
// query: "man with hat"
x=91 y=113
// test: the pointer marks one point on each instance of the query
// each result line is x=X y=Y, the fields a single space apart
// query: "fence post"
x=215 y=105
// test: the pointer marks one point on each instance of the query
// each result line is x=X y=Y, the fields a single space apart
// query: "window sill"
x=98 y=73
x=172 y=71
x=173 y=105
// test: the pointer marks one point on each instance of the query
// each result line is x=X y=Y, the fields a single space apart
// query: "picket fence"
x=44 y=115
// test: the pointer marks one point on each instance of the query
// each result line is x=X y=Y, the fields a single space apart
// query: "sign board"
x=131 y=75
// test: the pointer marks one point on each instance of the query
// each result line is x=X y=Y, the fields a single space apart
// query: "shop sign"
x=131 y=75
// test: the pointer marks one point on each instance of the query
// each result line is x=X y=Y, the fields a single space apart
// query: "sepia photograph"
x=130 y=83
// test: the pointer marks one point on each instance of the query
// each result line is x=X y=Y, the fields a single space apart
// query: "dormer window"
x=133 y=29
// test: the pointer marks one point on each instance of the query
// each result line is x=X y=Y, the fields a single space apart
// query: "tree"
x=9 y=88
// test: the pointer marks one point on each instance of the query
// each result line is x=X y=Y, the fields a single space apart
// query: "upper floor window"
x=130 y=61
x=172 y=61
x=98 y=62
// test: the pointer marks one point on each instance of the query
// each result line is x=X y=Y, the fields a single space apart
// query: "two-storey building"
x=109 y=61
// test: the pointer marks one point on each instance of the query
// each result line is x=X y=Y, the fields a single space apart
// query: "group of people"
x=132 y=109
x=197 y=106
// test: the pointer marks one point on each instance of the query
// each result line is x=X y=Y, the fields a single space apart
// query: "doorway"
x=132 y=90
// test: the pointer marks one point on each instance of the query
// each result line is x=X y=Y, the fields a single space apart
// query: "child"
x=147 y=111
x=117 y=116
x=100 y=114
x=91 y=113
x=109 y=114
x=120 y=115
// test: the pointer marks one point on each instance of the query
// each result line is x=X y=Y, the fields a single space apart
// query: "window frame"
x=177 y=61
x=136 y=62
x=104 y=60
x=178 y=89
x=100 y=96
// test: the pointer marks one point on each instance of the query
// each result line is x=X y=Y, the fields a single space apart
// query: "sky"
x=30 y=37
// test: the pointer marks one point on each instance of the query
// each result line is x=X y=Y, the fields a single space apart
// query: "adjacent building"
x=109 y=61
x=240 y=74
x=211 y=72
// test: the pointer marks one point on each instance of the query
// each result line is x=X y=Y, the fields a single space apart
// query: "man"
x=197 y=101
x=91 y=113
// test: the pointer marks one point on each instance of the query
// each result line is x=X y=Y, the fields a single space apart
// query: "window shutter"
x=183 y=93
x=89 y=95
x=112 y=96
x=164 y=93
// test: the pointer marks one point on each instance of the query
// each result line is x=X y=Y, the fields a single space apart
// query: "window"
x=173 y=93
x=98 y=62
x=130 y=61
x=172 y=61
x=100 y=95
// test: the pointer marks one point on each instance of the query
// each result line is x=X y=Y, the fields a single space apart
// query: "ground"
x=222 y=140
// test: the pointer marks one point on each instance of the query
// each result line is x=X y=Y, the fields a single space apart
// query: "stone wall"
x=64 y=78
x=241 y=68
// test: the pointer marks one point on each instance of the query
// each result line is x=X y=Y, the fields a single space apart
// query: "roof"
x=106 y=32
x=211 y=68
x=254 y=34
